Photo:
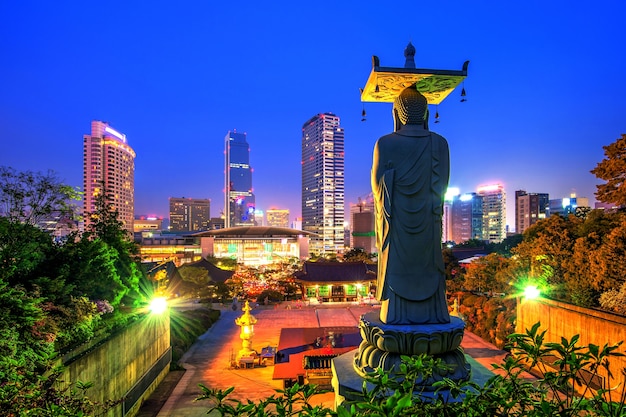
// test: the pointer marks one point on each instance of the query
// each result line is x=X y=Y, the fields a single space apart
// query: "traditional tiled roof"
x=335 y=272
x=297 y=343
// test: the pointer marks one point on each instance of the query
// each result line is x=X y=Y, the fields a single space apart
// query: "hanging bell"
x=363 y=114
x=436 y=116
x=463 y=94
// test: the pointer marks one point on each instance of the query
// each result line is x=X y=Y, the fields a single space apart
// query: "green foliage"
x=186 y=326
x=563 y=388
x=358 y=255
x=28 y=197
x=228 y=264
x=271 y=295
x=195 y=281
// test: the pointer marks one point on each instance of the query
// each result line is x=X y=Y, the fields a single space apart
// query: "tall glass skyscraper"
x=323 y=183
x=109 y=167
x=239 y=202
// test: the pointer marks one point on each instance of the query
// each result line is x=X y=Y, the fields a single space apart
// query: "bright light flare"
x=158 y=305
x=531 y=292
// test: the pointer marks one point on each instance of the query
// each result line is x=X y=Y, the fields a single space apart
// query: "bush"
x=271 y=295
x=186 y=326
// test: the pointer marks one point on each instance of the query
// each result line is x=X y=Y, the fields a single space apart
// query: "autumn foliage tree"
x=612 y=169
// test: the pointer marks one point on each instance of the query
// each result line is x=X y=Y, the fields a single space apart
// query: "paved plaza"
x=208 y=361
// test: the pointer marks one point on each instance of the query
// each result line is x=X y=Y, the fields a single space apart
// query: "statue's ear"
x=396 y=120
x=426 y=115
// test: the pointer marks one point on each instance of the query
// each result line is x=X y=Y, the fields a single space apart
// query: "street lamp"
x=246 y=322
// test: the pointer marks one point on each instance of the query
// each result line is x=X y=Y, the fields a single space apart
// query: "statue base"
x=383 y=346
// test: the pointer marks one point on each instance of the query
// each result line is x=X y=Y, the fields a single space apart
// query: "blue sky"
x=546 y=88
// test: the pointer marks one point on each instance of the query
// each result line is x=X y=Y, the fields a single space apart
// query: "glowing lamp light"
x=158 y=305
x=531 y=292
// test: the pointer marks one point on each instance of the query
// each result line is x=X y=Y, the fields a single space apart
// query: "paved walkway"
x=208 y=360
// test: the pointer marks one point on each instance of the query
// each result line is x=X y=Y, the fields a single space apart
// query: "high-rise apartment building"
x=109 y=168
x=494 y=212
x=239 y=204
x=529 y=209
x=277 y=217
x=466 y=218
x=323 y=183
x=189 y=214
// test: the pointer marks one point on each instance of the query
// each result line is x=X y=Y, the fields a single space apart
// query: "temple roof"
x=336 y=272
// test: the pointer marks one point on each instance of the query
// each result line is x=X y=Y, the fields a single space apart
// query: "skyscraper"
x=239 y=202
x=494 y=212
x=466 y=218
x=362 y=227
x=529 y=209
x=189 y=214
x=323 y=183
x=109 y=167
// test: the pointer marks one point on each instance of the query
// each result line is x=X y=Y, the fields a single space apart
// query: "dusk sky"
x=546 y=89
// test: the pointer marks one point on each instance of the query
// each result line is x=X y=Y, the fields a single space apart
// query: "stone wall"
x=566 y=320
x=128 y=365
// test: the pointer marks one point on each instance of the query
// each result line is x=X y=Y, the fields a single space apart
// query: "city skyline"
x=544 y=90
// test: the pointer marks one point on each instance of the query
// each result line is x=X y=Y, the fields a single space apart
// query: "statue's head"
x=411 y=107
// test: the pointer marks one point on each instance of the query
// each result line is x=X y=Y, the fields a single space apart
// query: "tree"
x=196 y=280
x=358 y=255
x=106 y=226
x=488 y=274
x=28 y=197
x=612 y=169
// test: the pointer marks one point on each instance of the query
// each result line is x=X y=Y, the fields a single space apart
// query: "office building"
x=466 y=218
x=494 y=212
x=189 y=214
x=148 y=224
x=277 y=217
x=529 y=209
x=109 y=168
x=568 y=205
x=362 y=229
x=239 y=204
x=323 y=183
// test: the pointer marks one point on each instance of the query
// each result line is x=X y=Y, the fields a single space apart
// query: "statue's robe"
x=410 y=174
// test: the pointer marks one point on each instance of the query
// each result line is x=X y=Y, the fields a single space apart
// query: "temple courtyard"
x=210 y=360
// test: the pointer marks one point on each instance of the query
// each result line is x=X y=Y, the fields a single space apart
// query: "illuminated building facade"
x=277 y=217
x=362 y=232
x=529 y=209
x=109 y=167
x=239 y=204
x=189 y=214
x=323 y=183
x=147 y=224
x=255 y=245
x=494 y=212
x=337 y=281
x=568 y=205
x=466 y=218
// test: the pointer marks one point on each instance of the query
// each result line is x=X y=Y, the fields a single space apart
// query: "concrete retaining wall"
x=565 y=320
x=129 y=365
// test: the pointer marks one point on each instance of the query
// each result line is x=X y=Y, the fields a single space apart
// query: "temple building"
x=337 y=281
